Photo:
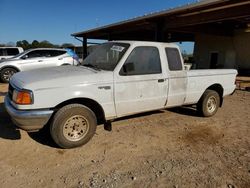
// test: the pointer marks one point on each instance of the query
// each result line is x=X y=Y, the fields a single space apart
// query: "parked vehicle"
x=36 y=59
x=118 y=79
x=8 y=52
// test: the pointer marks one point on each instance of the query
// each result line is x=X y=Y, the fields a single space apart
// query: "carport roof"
x=218 y=17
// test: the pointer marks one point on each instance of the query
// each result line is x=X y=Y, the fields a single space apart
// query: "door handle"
x=161 y=80
x=40 y=60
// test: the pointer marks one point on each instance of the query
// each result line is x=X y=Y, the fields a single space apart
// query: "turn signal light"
x=22 y=97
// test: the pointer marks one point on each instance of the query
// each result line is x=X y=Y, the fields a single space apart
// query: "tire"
x=6 y=74
x=73 y=126
x=209 y=103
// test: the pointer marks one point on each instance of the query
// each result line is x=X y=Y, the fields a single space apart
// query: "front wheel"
x=6 y=74
x=73 y=125
x=209 y=103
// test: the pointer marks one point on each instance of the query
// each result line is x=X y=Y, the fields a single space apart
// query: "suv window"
x=35 y=53
x=174 y=59
x=12 y=51
x=54 y=53
x=142 y=60
x=38 y=53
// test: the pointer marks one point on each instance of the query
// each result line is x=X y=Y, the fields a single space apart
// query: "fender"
x=10 y=66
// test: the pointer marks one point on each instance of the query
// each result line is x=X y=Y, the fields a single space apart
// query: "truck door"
x=177 y=78
x=140 y=85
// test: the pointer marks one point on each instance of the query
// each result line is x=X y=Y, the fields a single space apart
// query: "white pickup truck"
x=118 y=79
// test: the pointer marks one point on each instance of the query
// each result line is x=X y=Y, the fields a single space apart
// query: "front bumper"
x=29 y=120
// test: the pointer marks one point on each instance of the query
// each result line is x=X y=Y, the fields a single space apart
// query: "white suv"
x=35 y=59
x=8 y=52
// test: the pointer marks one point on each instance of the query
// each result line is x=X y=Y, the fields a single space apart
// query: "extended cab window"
x=142 y=60
x=174 y=59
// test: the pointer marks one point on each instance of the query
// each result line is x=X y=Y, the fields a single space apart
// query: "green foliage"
x=24 y=44
x=35 y=44
x=43 y=44
x=67 y=45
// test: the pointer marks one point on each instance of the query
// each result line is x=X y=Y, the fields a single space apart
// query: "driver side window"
x=33 y=54
x=141 y=61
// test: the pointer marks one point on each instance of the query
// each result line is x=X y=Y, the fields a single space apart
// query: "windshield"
x=106 y=56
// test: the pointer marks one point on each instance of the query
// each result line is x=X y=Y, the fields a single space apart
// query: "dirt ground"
x=172 y=148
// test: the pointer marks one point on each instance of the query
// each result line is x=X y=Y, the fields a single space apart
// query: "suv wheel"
x=6 y=74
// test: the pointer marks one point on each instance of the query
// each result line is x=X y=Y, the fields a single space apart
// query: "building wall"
x=242 y=48
x=233 y=52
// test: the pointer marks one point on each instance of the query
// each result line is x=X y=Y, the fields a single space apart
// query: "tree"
x=24 y=44
x=35 y=44
x=45 y=44
x=67 y=45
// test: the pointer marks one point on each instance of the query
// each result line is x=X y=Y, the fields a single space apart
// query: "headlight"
x=22 y=97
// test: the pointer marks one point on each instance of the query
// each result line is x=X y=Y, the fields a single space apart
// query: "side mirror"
x=24 y=57
x=127 y=68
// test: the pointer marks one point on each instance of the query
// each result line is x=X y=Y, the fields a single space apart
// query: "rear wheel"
x=209 y=103
x=73 y=125
x=6 y=74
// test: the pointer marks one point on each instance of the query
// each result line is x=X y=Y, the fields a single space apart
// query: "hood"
x=63 y=76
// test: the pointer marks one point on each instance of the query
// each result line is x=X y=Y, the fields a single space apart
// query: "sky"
x=56 y=20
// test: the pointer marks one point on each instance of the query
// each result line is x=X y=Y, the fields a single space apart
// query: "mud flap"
x=108 y=126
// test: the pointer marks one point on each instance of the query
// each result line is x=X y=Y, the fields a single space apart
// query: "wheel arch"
x=10 y=66
x=90 y=103
x=219 y=89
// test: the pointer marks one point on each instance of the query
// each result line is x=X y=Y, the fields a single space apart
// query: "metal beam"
x=84 y=48
x=207 y=17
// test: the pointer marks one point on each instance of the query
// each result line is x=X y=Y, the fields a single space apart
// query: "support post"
x=84 y=48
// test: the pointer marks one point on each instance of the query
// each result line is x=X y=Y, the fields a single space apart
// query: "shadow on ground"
x=7 y=128
x=2 y=94
x=143 y=114
x=185 y=110
x=43 y=137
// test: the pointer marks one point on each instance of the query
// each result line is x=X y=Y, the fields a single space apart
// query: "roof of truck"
x=145 y=43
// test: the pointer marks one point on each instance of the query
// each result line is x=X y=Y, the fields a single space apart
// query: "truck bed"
x=199 y=80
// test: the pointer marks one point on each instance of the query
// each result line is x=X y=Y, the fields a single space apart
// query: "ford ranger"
x=119 y=78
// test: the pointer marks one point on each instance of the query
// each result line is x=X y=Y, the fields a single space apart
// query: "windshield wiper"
x=91 y=66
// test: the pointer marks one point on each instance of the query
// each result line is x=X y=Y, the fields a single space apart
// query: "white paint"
x=125 y=94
